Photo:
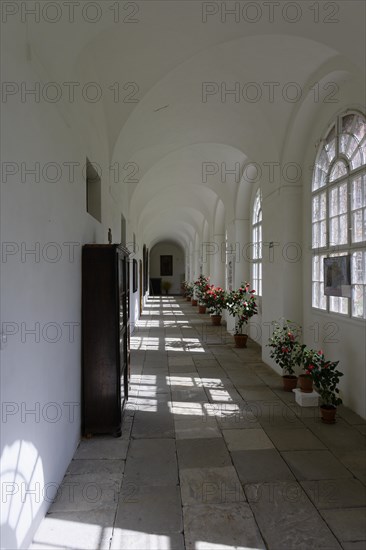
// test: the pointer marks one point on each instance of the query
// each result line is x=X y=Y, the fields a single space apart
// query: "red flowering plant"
x=325 y=376
x=215 y=299
x=201 y=286
x=285 y=345
x=242 y=305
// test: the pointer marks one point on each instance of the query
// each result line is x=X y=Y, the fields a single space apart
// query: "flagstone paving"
x=213 y=455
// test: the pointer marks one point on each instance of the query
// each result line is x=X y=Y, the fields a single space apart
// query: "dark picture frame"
x=166 y=266
x=134 y=276
x=337 y=276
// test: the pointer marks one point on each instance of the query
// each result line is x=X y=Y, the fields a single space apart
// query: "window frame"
x=349 y=247
x=257 y=258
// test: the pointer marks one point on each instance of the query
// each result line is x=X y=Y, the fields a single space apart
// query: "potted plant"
x=201 y=286
x=326 y=379
x=167 y=285
x=305 y=378
x=242 y=305
x=215 y=300
x=287 y=351
x=189 y=291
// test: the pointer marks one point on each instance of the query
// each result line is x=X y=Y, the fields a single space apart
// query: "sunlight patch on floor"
x=144 y=343
x=186 y=408
x=143 y=323
x=184 y=344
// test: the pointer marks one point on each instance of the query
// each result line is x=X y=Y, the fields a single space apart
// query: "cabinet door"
x=124 y=323
x=101 y=365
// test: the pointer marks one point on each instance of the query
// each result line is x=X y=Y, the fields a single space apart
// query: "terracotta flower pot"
x=194 y=302
x=188 y=298
x=305 y=383
x=328 y=414
x=289 y=382
x=240 y=340
x=216 y=320
x=201 y=309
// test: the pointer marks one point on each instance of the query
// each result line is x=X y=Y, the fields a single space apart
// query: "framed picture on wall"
x=337 y=276
x=166 y=266
x=134 y=276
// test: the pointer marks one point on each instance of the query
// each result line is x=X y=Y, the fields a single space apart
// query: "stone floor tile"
x=125 y=540
x=202 y=362
x=348 y=524
x=223 y=395
x=350 y=416
x=152 y=404
x=355 y=462
x=75 y=530
x=295 y=439
x=242 y=380
x=287 y=519
x=182 y=369
x=196 y=428
x=184 y=409
x=102 y=447
x=152 y=462
x=336 y=493
x=190 y=394
x=247 y=440
x=96 y=466
x=180 y=361
x=87 y=492
x=220 y=526
x=354 y=545
x=205 y=453
x=150 y=509
x=257 y=393
x=261 y=466
x=313 y=465
x=338 y=437
x=275 y=414
x=210 y=485
x=361 y=428
x=147 y=425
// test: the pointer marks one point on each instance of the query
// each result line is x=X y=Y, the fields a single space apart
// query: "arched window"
x=339 y=212
x=257 y=243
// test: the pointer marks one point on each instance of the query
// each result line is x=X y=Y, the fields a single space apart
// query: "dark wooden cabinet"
x=105 y=337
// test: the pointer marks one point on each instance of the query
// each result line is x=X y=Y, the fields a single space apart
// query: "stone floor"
x=214 y=455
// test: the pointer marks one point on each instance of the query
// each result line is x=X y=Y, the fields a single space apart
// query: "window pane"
x=347 y=145
x=358 y=301
x=343 y=233
x=333 y=232
x=333 y=202
x=338 y=305
x=358 y=272
x=323 y=205
x=352 y=142
x=316 y=295
x=323 y=233
x=330 y=144
x=316 y=208
x=343 y=203
x=357 y=194
x=357 y=226
x=338 y=170
x=316 y=235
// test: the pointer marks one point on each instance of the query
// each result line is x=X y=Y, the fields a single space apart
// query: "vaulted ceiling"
x=170 y=121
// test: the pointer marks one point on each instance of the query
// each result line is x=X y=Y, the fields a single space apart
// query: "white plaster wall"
x=178 y=264
x=41 y=295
